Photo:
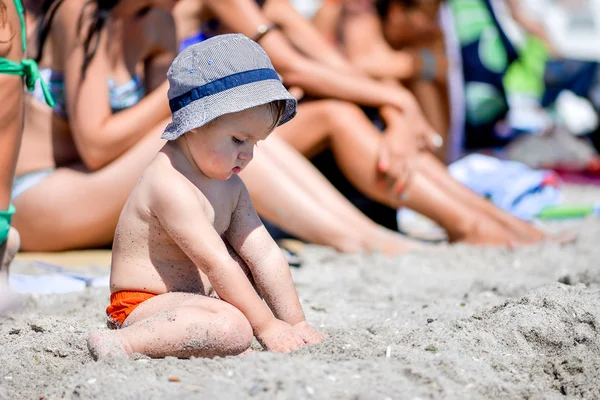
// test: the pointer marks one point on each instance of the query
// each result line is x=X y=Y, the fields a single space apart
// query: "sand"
x=461 y=323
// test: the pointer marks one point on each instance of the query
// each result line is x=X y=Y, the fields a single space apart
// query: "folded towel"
x=512 y=186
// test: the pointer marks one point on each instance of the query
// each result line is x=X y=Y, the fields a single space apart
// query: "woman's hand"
x=399 y=146
x=297 y=92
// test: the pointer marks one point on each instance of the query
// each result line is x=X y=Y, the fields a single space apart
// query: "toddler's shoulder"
x=165 y=186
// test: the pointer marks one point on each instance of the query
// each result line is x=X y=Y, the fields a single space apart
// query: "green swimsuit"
x=28 y=69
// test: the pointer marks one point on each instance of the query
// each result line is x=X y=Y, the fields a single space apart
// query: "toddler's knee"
x=235 y=332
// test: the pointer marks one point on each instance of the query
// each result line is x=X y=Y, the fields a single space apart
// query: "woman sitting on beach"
x=80 y=161
x=395 y=40
x=401 y=40
x=389 y=168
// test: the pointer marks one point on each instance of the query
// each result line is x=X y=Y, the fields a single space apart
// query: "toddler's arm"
x=268 y=265
x=180 y=211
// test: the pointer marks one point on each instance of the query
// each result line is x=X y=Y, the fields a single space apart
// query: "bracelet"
x=429 y=65
x=262 y=30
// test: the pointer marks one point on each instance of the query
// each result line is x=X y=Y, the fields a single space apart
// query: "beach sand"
x=458 y=323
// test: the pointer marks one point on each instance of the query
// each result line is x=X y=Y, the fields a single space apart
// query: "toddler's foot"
x=106 y=344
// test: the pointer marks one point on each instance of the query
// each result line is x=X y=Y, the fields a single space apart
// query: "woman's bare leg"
x=302 y=172
x=78 y=209
x=437 y=172
x=278 y=198
x=179 y=325
x=74 y=208
x=354 y=142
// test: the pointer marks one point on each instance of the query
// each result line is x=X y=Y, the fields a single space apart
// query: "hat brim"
x=200 y=112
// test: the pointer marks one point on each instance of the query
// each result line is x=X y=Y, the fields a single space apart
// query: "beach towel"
x=510 y=185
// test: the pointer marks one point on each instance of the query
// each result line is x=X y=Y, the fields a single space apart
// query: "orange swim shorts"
x=122 y=304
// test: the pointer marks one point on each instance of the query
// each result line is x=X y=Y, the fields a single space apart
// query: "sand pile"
x=462 y=323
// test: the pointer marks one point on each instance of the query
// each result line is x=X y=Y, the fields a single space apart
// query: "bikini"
x=121 y=96
x=26 y=68
x=207 y=30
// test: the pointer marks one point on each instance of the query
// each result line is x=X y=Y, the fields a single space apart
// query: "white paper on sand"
x=59 y=281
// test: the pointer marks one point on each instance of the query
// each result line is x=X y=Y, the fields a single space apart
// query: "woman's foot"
x=525 y=232
x=8 y=300
x=563 y=237
x=391 y=243
x=484 y=231
x=529 y=234
x=8 y=251
x=106 y=344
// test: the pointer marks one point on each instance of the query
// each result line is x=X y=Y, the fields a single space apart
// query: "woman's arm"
x=367 y=48
x=163 y=52
x=327 y=17
x=530 y=25
x=100 y=135
x=244 y=16
x=305 y=37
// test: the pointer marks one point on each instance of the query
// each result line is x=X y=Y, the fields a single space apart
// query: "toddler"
x=191 y=259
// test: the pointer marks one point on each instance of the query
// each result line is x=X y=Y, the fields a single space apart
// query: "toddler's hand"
x=280 y=336
x=308 y=333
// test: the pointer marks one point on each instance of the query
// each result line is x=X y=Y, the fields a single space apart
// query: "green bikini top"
x=27 y=68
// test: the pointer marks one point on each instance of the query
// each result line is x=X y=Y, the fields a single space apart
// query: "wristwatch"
x=429 y=69
x=262 y=30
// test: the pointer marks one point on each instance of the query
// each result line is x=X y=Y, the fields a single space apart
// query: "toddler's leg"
x=177 y=324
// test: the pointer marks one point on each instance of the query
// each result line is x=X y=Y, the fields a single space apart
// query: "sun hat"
x=221 y=75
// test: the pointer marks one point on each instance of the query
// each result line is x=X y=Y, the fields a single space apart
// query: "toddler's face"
x=226 y=146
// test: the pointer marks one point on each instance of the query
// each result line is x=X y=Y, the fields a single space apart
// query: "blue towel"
x=512 y=186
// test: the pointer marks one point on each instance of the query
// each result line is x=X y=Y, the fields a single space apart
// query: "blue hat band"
x=221 y=85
